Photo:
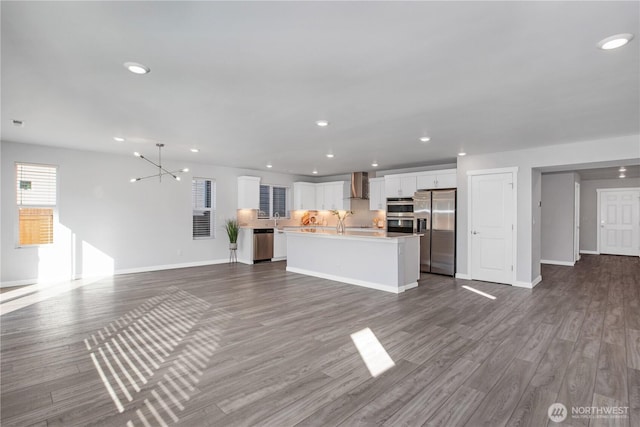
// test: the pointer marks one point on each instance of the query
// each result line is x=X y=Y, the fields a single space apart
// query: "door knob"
x=474 y=232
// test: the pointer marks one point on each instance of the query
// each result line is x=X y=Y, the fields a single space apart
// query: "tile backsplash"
x=362 y=217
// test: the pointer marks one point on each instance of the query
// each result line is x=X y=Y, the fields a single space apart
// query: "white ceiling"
x=609 y=173
x=245 y=82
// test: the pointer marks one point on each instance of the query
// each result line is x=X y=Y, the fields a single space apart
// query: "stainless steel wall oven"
x=400 y=215
x=400 y=207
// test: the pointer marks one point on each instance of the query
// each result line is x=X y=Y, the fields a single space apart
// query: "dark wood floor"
x=254 y=345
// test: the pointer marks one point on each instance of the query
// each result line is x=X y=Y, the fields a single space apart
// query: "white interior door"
x=576 y=222
x=491 y=226
x=619 y=232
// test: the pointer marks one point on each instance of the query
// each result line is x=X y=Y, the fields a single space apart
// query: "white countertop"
x=315 y=228
x=350 y=233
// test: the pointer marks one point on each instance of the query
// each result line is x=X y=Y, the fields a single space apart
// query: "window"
x=203 y=196
x=273 y=199
x=36 y=201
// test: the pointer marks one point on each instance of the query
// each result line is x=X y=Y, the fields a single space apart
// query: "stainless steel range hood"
x=360 y=185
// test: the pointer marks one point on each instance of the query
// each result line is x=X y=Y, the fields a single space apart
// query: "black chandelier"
x=161 y=170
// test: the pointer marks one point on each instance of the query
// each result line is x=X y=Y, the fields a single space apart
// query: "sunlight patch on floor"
x=484 y=294
x=373 y=354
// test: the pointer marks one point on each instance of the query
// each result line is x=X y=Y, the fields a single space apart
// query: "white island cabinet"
x=379 y=260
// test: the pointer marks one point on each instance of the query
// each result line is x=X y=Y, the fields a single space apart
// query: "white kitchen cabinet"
x=437 y=179
x=331 y=195
x=447 y=179
x=322 y=194
x=304 y=196
x=245 y=245
x=279 y=245
x=248 y=192
x=377 y=198
x=400 y=185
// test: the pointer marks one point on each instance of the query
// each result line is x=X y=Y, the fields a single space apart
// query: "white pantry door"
x=491 y=227
x=619 y=222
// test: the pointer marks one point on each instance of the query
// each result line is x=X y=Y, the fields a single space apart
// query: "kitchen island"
x=373 y=259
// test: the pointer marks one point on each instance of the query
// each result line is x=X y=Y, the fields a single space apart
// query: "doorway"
x=492 y=225
x=576 y=224
x=619 y=221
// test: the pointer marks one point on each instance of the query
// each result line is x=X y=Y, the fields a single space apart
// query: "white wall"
x=107 y=223
x=589 y=208
x=596 y=151
x=536 y=220
x=558 y=192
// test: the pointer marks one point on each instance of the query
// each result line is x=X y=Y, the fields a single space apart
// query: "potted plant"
x=231 y=227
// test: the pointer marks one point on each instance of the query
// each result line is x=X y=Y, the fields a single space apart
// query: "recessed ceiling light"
x=330 y=155
x=118 y=138
x=269 y=165
x=615 y=42
x=374 y=164
x=622 y=169
x=425 y=139
x=18 y=123
x=322 y=123
x=315 y=172
x=136 y=68
x=462 y=153
x=194 y=150
x=622 y=176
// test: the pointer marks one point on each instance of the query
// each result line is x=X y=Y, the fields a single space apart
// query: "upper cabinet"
x=446 y=178
x=404 y=185
x=400 y=185
x=248 y=192
x=335 y=196
x=322 y=196
x=377 y=198
x=304 y=195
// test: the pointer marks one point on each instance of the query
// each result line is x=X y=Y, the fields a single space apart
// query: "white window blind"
x=36 y=185
x=36 y=191
x=280 y=201
x=203 y=196
x=265 y=202
x=273 y=199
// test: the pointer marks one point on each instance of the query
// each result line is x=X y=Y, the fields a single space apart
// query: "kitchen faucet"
x=276 y=216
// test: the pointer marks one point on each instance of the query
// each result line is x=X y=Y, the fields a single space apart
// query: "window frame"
x=213 y=209
x=287 y=203
x=17 y=207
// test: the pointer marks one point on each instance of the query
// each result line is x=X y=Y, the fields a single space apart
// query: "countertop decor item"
x=342 y=215
x=161 y=169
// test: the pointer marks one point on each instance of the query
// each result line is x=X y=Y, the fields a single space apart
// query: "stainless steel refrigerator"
x=435 y=215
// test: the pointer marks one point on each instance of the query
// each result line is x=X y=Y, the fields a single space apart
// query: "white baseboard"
x=13 y=283
x=554 y=262
x=350 y=281
x=170 y=266
x=409 y=286
x=24 y=282
x=583 y=251
x=463 y=276
x=528 y=285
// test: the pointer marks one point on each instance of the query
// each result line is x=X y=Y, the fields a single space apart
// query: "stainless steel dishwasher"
x=262 y=244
